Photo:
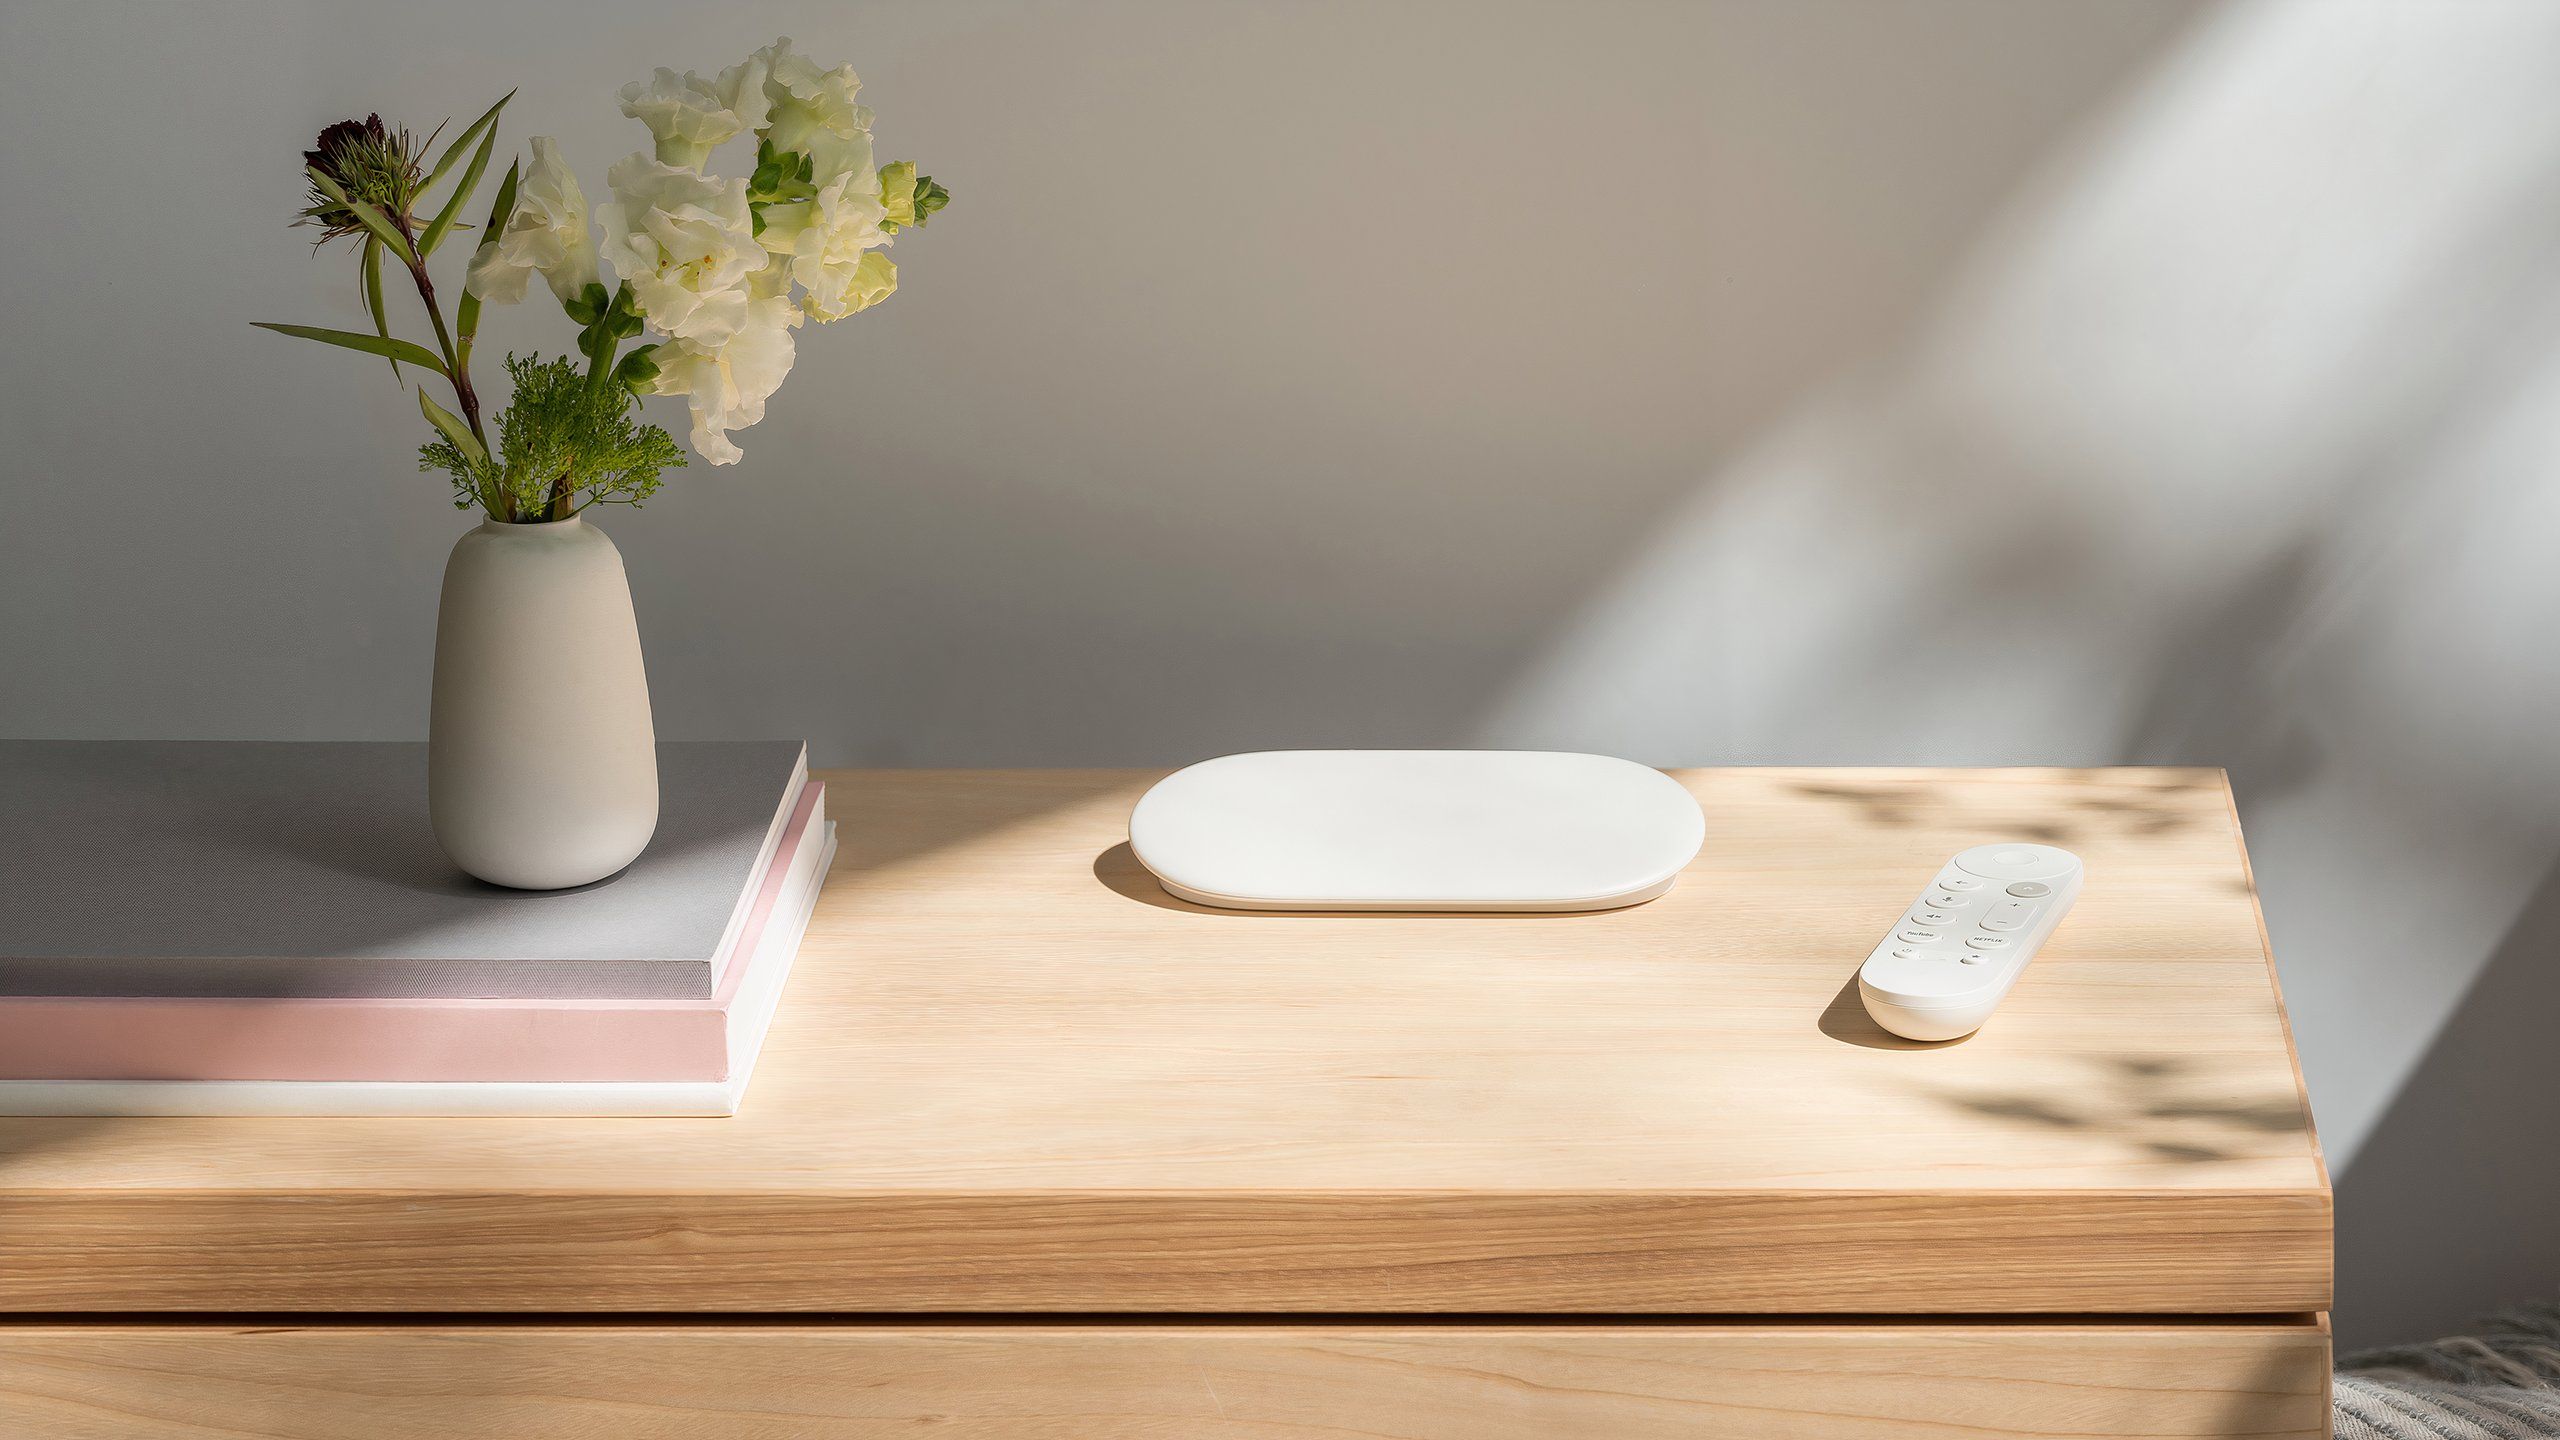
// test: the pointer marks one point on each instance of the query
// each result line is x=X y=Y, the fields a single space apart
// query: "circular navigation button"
x=2007 y=863
x=2031 y=889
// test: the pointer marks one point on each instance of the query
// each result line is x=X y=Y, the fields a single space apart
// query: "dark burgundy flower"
x=367 y=161
x=329 y=155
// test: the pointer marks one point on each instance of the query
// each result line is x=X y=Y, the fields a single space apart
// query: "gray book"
x=254 y=868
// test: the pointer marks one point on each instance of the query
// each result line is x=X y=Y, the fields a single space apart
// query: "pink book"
x=139 y=1038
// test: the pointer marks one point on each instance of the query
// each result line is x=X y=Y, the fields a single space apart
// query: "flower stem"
x=460 y=367
x=457 y=365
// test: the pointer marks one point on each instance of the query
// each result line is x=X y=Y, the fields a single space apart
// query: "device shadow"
x=1846 y=1020
x=1120 y=873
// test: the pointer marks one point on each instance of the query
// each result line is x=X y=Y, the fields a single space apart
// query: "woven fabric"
x=2502 y=1383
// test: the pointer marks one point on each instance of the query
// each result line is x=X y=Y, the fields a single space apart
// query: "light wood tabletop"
x=1010 y=1074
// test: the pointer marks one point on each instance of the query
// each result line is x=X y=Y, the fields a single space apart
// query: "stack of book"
x=199 y=928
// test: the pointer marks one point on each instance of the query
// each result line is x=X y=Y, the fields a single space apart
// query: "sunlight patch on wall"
x=2231 y=444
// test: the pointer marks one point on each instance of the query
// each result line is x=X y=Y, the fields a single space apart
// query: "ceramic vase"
x=542 y=765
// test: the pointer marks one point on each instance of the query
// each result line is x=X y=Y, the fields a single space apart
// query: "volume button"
x=2009 y=915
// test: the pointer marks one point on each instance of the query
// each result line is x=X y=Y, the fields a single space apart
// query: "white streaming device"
x=1947 y=962
x=1450 y=830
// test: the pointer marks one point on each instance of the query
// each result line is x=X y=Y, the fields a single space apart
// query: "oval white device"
x=1416 y=830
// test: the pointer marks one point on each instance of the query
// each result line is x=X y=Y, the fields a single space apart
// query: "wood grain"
x=1779 y=1252
x=1244 y=1382
x=1011 y=1074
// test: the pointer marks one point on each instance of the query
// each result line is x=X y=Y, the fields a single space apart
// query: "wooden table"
x=1037 y=1151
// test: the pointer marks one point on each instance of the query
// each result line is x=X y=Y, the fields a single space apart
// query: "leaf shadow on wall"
x=2230 y=445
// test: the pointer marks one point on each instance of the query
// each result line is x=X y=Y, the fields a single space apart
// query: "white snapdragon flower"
x=728 y=382
x=741 y=87
x=684 y=244
x=810 y=107
x=860 y=286
x=690 y=116
x=826 y=239
x=546 y=232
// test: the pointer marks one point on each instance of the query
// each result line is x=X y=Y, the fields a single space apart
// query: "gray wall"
x=1726 y=383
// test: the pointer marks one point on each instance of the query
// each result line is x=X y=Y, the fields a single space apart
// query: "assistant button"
x=2031 y=889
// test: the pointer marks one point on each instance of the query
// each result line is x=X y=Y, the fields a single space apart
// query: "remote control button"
x=2009 y=915
x=1918 y=937
x=1958 y=882
x=2030 y=889
x=1970 y=959
x=1948 y=902
x=1933 y=917
x=2008 y=863
x=1906 y=952
x=1988 y=942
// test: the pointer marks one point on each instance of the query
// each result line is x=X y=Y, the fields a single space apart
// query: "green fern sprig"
x=563 y=444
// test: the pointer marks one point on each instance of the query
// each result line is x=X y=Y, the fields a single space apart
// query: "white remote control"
x=1959 y=948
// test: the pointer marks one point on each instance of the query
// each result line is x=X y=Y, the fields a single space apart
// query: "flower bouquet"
x=711 y=276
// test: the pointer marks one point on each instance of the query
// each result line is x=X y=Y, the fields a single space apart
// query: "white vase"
x=542 y=766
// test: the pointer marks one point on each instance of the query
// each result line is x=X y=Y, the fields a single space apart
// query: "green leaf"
x=453 y=429
x=418 y=355
x=453 y=151
x=466 y=311
x=505 y=208
x=623 y=318
x=466 y=324
x=366 y=215
x=373 y=295
x=588 y=305
x=637 y=370
x=930 y=197
x=434 y=234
